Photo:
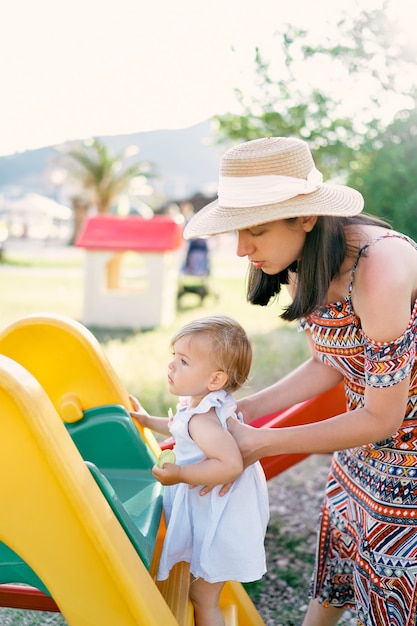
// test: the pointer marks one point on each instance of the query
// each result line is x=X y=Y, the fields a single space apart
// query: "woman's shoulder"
x=379 y=251
x=390 y=255
x=384 y=286
x=365 y=237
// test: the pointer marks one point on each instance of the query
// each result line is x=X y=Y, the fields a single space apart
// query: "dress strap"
x=370 y=243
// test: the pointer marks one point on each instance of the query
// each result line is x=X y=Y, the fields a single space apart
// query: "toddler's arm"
x=156 y=424
x=223 y=462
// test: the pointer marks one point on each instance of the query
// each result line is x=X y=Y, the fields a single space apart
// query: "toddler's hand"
x=139 y=412
x=168 y=474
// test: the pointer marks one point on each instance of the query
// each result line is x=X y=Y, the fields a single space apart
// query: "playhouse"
x=131 y=271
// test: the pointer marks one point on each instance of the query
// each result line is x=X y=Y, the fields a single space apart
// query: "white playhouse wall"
x=115 y=306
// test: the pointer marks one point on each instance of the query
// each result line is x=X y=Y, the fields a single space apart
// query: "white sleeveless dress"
x=222 y=537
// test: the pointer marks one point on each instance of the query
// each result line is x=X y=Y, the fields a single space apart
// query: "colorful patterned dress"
x=367 y=545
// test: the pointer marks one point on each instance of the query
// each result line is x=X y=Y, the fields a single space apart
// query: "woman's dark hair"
x=324 y=251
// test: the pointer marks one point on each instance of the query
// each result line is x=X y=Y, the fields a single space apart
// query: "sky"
x=72 y=70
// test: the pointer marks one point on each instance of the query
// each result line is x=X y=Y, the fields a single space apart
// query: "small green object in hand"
x=166 y=456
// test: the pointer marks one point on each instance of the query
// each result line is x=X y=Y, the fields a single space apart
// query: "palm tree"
x=101 y=177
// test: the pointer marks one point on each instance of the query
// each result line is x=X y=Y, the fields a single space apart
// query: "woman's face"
x=272 y=247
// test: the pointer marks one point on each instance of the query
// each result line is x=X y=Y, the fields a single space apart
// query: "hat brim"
x=214 y=219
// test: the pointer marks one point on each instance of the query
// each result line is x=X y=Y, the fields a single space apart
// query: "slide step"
x=230 y=614
x=175 y=592
x=175 y=589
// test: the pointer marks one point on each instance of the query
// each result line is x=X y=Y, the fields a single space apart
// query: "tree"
x=307 y=89
x=100 y=177
x=385 y=173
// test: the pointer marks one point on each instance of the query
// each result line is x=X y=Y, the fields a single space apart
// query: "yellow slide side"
x=54 y=516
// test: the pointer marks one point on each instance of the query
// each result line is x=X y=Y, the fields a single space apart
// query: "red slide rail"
x=29 y=598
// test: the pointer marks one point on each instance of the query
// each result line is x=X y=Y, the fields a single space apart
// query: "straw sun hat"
x=266 y=180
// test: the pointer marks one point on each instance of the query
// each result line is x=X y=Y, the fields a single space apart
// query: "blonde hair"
x=230 y=346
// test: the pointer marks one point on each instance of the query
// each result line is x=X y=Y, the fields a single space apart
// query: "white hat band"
x=249 y=191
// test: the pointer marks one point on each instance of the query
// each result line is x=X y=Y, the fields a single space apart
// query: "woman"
x=353 y=283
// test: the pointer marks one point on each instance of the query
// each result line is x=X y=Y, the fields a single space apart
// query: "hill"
x=185 y=160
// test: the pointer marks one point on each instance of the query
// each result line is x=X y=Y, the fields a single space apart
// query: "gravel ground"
x=281 y=596
x=295 y=500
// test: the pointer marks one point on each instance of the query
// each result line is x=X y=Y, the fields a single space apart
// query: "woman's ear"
x=308 y=223
x=218 y=380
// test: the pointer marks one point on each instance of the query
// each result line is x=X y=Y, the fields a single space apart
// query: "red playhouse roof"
x=110 y=232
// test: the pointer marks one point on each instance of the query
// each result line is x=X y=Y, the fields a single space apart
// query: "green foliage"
x=385 y=173
x=297 y=92
x=283 y=109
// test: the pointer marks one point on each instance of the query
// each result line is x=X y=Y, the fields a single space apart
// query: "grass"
x=281 y=595
x=291 y=553
x=38 y=281
x=43 y=283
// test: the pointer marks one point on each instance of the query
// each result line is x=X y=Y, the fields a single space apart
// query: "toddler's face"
x=192 y=367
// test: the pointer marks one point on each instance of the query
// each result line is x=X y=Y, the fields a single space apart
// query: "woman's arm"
x=223 y=462
x=379 y=419
x=308 y=380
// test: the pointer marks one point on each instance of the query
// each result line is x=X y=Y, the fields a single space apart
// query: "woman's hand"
x=245 y=437
x=243 y=412
x=207 y=488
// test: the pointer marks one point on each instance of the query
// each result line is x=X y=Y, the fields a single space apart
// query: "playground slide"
x=64 y=518
x=56 y=520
